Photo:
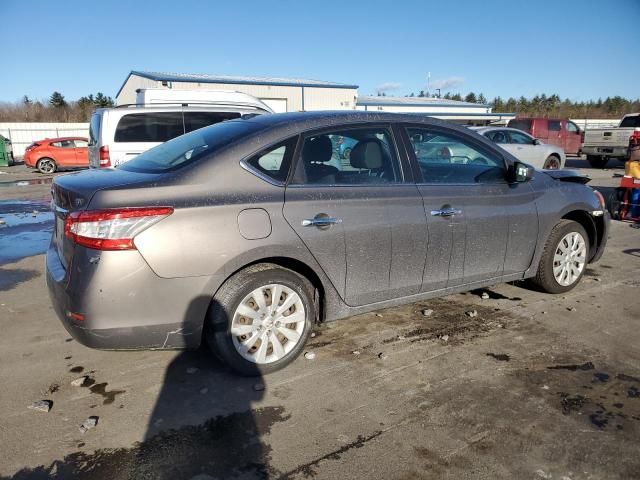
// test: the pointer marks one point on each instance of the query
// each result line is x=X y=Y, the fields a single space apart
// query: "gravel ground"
x=533 y=387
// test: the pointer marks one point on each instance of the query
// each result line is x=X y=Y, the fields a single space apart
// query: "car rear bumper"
x=113 y=300
x=605 y=151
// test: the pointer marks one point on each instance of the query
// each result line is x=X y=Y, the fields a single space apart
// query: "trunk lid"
x=73 y=192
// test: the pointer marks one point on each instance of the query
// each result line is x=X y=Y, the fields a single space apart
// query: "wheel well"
x=584 y=219
x=301 y=269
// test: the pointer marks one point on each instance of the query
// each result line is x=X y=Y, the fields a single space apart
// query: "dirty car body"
x=154 y=253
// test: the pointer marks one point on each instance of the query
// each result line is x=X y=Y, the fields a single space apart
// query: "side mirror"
x=520 y=172
x=537 y=142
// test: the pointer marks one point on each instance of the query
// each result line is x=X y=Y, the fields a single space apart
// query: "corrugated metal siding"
x=128 y=92
x=23 y=134
x=424 y=109
x=314 y=98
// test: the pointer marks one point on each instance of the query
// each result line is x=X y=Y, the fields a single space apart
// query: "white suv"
x=116 y=135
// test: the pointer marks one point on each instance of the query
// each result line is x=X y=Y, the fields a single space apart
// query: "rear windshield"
x=94 y=128
x=630 y=122
x=191 y=147
x=524 y=125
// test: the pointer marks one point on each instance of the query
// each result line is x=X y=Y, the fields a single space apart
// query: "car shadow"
x=205 y=424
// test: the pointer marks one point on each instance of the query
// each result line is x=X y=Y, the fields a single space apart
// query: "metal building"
x=281 y=94
x=452 y=110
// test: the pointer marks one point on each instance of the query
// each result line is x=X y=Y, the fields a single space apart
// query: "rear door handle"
x=446 y=212
x=320 y=221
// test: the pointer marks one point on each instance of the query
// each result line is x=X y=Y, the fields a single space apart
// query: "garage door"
x=278 y=105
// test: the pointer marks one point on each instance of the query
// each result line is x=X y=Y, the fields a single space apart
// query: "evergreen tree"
x=57 y=100
x=471 y=98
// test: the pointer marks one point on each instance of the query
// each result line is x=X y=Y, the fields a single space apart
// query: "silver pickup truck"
x=601 y=144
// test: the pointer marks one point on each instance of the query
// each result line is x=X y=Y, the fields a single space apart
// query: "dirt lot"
x=533 y=387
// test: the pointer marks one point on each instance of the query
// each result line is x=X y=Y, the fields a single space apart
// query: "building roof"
x=241 y=80
x=415 y=102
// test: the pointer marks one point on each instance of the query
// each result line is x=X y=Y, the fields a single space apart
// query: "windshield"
x=188 y=148
x=630 y=122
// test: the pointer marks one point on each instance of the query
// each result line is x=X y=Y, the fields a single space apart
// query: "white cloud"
x=446 y=83
x=388 y=86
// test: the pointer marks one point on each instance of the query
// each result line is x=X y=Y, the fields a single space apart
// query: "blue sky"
x=580 y=49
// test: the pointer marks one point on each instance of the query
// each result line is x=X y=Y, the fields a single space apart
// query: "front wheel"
x=597 y=162
x=564 y=258
x=552 y=163
x=260 y=319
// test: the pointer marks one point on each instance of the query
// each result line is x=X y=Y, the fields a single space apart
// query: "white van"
x=116 y=135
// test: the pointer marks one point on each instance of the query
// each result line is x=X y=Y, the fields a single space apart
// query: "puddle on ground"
x=25 y=229
x=10 y=277
x=26 y=183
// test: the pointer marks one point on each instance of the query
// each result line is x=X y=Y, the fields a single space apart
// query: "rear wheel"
x=46 y=165
x=597 y=162
x=552 y=163
x=260 y=319
x=564 y=258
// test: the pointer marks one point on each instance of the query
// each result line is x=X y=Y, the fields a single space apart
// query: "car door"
x=81 y=152
x=573 y=141
x=555 y=133
x=524 y=148
x=360 y=215
x=63 y=153
x=480 y=226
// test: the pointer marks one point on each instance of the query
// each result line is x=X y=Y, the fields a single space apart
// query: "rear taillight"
x=112 y=229
x=105 y=161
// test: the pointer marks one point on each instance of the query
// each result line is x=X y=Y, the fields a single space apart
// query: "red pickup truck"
x=553 y=131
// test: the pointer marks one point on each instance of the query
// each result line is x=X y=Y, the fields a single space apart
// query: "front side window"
x=149 y=127
x=80 y=143
x=520 y=138
x=349 y=157
x=448 y=158
x=63 y=144
x=554 y=125
x=572 y=127
x=274 y=162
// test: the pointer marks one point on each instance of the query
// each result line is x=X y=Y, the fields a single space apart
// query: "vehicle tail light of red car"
x=113 y=229
x=105 y=160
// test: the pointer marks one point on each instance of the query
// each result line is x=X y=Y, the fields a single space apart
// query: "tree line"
x=543 y=105
x=55 y=109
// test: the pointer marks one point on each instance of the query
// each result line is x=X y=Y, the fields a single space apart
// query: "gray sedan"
x=525 y=147
x=247 y=233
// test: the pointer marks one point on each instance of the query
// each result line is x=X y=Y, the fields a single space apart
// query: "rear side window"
x=554 y=125
x=195 y=120
x=274 y=162
x=149 y=127
x=524 y=125
x=630 y=122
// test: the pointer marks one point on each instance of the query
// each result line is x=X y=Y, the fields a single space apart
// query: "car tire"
x=552 y=163
x=46 y=165
x=597 y=162
x=267 y=343
x=563 y=263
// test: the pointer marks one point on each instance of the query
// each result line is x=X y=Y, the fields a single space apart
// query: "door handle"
x=446 y=212
x=320 y=221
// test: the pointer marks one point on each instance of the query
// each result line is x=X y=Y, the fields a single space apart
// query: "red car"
x=553 y=131
x=54 y=154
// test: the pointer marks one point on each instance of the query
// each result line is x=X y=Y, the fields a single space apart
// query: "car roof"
x=59 y=139
x=293 y=122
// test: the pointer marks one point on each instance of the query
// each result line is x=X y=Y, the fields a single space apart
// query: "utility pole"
x=428 y=83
